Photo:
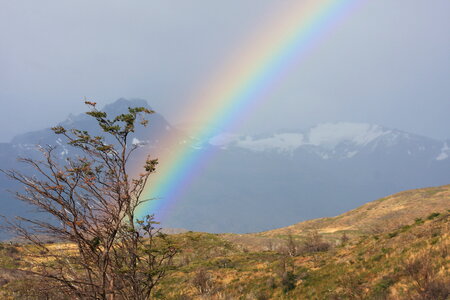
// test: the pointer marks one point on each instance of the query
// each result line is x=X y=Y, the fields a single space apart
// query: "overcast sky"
x=387 y=63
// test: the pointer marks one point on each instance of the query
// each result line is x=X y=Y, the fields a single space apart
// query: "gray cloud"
x=388 y=63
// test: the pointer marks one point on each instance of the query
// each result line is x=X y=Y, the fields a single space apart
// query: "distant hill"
x=383 y=215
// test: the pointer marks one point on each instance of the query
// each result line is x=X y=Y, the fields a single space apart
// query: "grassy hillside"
x=410 y=262
x=384 y=214
x=393 y=248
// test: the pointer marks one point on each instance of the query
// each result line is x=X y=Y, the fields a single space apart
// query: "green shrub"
x=224 y=263
x=382 y=287
x=405 y=228
x=288 y=281
x=434 y=240
x=377 y=257
x=386 y=250
x=433 y=215
x=392 y=234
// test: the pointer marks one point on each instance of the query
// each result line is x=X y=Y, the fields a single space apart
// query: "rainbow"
x=244 y=82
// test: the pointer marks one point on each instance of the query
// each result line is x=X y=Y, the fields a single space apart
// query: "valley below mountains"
x=392 y=248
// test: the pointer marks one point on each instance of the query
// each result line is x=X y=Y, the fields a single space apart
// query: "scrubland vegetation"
x=410 y=262
x=393 y=248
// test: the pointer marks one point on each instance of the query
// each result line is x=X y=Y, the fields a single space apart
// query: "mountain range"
x=260 y=182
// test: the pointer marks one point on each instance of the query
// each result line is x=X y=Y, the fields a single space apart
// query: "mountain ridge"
x=341 y=140
x=243 y=190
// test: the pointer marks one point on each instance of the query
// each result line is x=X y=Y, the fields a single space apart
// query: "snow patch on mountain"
x=340 y=141
x=329 y=135
x=326 y=136
x=284 y=142
x=444 y=152
x=224 y=139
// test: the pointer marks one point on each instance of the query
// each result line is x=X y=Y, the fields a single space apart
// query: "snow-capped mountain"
x=158 y=123
x=445 y=152
x=337 y=141
x=260 y=182
x=264 y=181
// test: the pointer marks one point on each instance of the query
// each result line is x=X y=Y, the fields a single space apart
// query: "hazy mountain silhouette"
x=261 y=182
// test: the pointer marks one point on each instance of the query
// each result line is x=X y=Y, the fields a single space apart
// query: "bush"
x=262 y=295
x=392 y=234
x=292 y=247
x=202 y=282
x=418 y=221
x=288 y=281
x=433 y=215
x=382 y=287
x=314 y=243
x=224 y=263
x=344 y=239
x=426 y=282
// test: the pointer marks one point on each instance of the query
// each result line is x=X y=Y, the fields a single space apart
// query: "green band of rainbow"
x=243 y=83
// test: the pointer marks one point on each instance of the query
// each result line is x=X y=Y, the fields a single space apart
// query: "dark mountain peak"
x=84 y=122
x=121 y=105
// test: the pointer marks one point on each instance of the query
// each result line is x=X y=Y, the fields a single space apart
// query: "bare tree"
x=291 y=245
x=344 y=239
x=314 y=243
x=105 y=252
x=202 y=281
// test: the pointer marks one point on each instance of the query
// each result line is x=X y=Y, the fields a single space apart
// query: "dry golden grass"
x=374 y=266
x=396 y=244
x=385 y=214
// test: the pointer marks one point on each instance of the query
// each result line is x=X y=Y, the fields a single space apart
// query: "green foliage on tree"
x=109 y=253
